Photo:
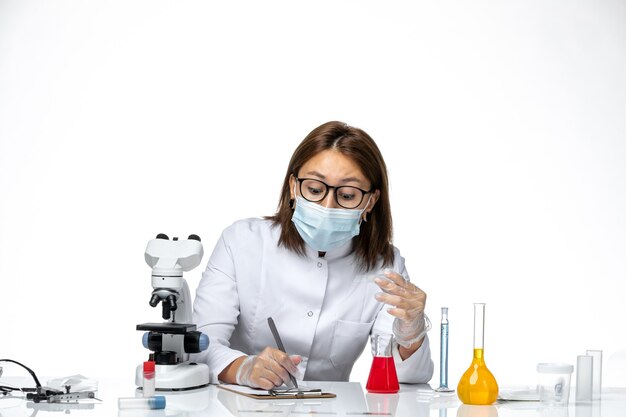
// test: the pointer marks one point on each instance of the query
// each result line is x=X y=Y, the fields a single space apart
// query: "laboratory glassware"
x=149 y=384
x=584 y=378
x=383 y=378
x=597 y=373
x=478 y=386
x=138 y=403
x=443 y=354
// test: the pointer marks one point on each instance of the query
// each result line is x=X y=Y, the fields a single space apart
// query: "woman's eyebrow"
x=317 y=174
x=343 y=180
x=352 y=179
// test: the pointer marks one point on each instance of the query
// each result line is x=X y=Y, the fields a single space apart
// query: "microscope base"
x=182 y=376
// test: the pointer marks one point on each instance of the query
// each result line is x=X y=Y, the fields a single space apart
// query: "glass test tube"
x=149 y=383
x=443 y=354
x=145 y=403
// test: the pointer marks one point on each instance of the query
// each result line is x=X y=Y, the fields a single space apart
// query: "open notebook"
x=277 y=393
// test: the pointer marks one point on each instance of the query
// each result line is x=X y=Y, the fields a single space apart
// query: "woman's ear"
x=370 y=205
x=292 y=183
x=373 y=200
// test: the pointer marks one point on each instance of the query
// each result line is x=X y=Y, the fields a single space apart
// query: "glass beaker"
x=478 y=386
x=383 y=378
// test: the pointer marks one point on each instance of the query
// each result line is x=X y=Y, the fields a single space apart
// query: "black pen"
x=279 y=344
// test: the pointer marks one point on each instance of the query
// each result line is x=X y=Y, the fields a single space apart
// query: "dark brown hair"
x=374 y=240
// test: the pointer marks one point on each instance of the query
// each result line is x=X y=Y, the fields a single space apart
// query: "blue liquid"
x=443 y=358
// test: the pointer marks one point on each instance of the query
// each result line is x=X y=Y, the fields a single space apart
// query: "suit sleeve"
x=216 y=309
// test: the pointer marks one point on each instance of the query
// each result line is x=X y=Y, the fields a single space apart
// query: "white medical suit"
x=324 y=307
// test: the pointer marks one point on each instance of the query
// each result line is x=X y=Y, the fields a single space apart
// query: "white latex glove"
x=408 y=301
x=271 y=368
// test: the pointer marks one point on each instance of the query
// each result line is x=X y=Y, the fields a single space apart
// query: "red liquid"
x=383 y=378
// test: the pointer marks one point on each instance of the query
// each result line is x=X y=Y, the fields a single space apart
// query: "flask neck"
x=479 y=325
x=479 y=355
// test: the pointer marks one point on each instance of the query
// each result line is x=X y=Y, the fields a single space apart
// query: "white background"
x=502 y=123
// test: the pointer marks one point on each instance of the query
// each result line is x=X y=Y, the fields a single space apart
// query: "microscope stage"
x=170 y=328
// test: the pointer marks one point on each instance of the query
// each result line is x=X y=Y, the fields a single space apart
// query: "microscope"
x=175 y=339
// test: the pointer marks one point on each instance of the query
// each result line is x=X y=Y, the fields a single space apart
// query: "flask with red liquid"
x=383 y=378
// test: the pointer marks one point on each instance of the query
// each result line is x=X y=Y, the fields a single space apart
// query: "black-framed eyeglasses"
x=346 y=196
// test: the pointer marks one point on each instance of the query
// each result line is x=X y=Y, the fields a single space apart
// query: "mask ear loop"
x=365 y=218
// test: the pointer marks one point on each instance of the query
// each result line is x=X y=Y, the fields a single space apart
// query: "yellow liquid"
x=478 y=386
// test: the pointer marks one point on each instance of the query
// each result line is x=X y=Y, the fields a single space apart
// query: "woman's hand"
x=270 y=368
x=408 y=301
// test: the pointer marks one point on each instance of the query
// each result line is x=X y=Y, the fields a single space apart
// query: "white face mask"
x=323 y=228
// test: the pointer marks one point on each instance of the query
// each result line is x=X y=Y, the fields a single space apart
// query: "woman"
x=310 y=268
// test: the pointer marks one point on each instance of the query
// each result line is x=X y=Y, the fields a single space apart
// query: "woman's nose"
x=329 y=201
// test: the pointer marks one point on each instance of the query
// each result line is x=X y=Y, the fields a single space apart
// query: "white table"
x=352 y=400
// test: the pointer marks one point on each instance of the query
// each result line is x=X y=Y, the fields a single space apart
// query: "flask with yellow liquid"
x=478 y=386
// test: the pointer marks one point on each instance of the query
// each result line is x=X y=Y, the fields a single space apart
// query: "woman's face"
x=335 y=169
